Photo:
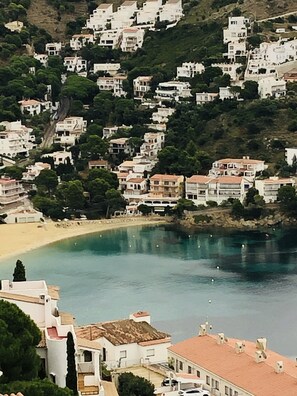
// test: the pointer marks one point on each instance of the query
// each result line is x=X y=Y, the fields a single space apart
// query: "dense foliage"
x=132 y=385
x=35 y=388
x=19 y=274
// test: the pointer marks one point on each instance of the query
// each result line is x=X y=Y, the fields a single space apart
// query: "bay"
x=243 y=283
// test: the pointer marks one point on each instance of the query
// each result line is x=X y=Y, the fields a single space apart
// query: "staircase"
x=86 y=390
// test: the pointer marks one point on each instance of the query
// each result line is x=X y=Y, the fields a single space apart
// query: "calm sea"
x=243 y=283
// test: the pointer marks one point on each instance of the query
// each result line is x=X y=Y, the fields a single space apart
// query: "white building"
x=42 y=58
x=69 y=130
x=120 y=145
x=257 y=69
x=107 y=68
x=60 y=157
x=124 y=16
x=110 y=38
x=234 y=367
x=290 y=155
x=75 y=64
x=78 y=41
x=276 y=53
x=227 y=93
x=100 y=17
x=15 y=139
x=53 y=49
x=128 y=342
x=149 y=12
x=14 y=26
x=205 y=97
x=39 y=301
x=114 y=84
x=132 y=39
x=98 y=164
x=23 y=215
x=153 y=143
x=237 y=29
x=229 y=68
x=268 y=188
x=172 y=11
x=140 y=166
x=245 y=167
x=201 y=189
x=271 y=87
x=189 y=69
x=172 y=91
x=235 y=50
x=11 y=192
x=32 y=171
x=34 y=107
x=141 y=86
x=136 y=188
x=161 y=116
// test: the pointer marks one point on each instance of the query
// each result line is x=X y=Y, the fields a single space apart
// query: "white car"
x=194 y=392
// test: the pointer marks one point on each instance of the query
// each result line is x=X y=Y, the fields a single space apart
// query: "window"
x=208 y=380
x=150 y=352
x=189 y=370
x=87 y=356
x=123 y=354
x=181 y=366
x=198 y=373
x=235 y=393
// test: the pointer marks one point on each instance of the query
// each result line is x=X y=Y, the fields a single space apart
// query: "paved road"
x=277 y=16
x=51 y=127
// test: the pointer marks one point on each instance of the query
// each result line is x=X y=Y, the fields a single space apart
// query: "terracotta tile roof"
x=165 y=177
x=239 y=160
x=240 y=369
x=104 y=6
x=229 y=179
x=136 y=180
x=121 y=332
x=278 y=181
x=130 y=30
x=98 y=162
x=29 y=102
x=84 y=343
x=199 y=179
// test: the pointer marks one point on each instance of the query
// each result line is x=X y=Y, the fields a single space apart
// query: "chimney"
x=239 y=346
x=220 y=338
x=202 y=330
x=279 y=366
x=260 y=356
x=141 y=316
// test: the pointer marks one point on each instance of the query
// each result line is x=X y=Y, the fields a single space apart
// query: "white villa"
x=149 y=12
x=172 y=11
x=107 y=68
x=268 y=188
x=110 y=38
x=75 y=64
x=60 y=157
x=228 y=68
x=141 y=85
x=236 y=49
x=69 y=130
x=189 y=69
x=42 y=58
x=205 y=97
x=272 y=87
x=172 y=91
x=153 y=143
x=78 y=41
x=23 y=215
x=290 y=155
x=113 y=83
x=125 y=15
x=32 y=171
x=34 y=107
x=128 y=342
x=120 y=145
x=11 y=192
x=53 y=49
x=132 y=39
x=100 y=17
x=234 y=367
x=237 y=29
x=39 y=301
x=135 y=188
x=15 y=139
x=245 y=167
x=201 y=189
x=227 y=93
x=161 y=116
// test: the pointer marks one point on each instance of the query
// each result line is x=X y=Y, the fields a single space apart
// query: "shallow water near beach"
x=243 y=283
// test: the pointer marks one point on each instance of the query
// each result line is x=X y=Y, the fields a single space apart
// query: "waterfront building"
x=128 y=342
x=268 y=188
x=234 y=367
x=245 y=167
x=23 y=215
x=201 y=189
x=40 y=302
x=11 y=192
x=166 y=186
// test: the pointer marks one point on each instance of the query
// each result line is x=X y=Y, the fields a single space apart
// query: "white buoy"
x=209 y=301
x=157 y=245
x=198 y=246
x=218 y=267
x=210 y=235
x=130 y=245
x=212 y=280
x=242 y=245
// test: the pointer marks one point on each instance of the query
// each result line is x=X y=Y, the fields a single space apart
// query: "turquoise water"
x=174 y=275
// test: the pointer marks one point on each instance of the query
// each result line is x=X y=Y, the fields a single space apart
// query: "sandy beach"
x=20 y=238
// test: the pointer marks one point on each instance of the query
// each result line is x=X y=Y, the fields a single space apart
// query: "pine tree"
x=71 y=377
x=19 y=274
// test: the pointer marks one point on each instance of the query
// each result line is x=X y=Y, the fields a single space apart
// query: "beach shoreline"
x=16 y=239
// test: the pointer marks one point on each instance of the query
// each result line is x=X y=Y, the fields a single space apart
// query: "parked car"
x=194 y=392
x=166 y=382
